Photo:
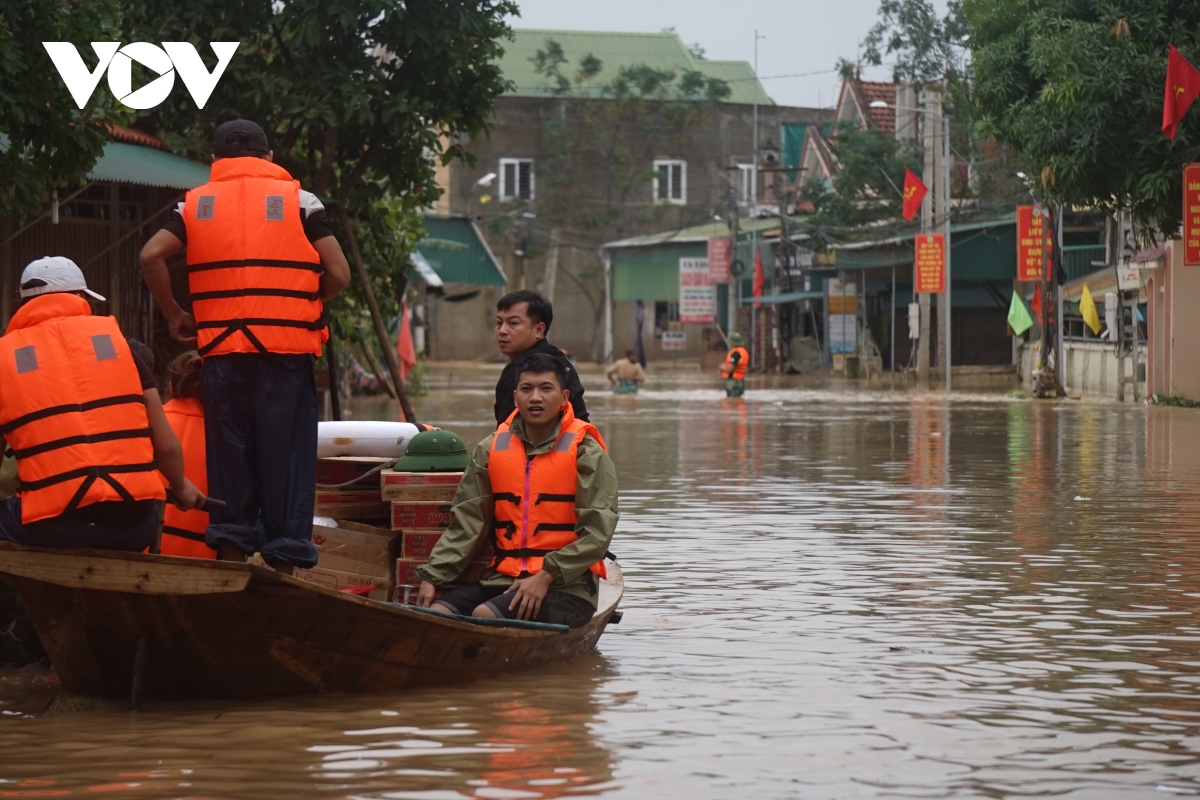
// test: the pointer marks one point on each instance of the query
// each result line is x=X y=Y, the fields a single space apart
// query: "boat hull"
x=222 y=630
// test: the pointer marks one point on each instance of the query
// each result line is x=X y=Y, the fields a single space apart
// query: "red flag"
x=404 y=345
x=759 y=278
x=1183 y=84
x=914 y=193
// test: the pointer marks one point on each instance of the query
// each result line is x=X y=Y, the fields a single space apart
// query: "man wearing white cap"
x=80 y=412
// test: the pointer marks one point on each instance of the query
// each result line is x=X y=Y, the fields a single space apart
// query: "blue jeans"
x=64 y=531
x=260 y=428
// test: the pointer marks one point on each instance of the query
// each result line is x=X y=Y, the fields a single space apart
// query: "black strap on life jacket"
x=71 y=441
x=90 y=475
x=70 y=408
x=184 y=534
x=232 y=326
x=234 y=263
x=225 y=293
x=507 y=496
x=504 y=526
x=554 y=498
x=523 y=552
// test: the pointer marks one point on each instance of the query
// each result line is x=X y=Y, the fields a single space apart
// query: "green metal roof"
x=145 y=166
x=455 y=249
x=700 y=233
x=617 y=50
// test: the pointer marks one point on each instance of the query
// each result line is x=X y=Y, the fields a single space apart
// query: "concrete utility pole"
x=929 y=177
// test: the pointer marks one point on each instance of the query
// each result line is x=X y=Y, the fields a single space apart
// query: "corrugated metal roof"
x=700 y=233
x=456 y=250
x=617 y=50
x=128 y=163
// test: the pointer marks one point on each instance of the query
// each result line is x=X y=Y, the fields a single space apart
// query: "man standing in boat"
x=544 y=490
x=522 y=323
x=261 y=261
x=81 y=413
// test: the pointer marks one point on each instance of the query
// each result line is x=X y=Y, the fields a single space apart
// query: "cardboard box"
x=420 y=487
x=350 y=504
x=355 y=545
x=420 y=494
x=347 y=468
x=406 y=516
x=417 y=543
x=406 y=571
x=382 y=579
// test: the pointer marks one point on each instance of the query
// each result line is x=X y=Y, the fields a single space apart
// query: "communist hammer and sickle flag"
x=1183 y=85
x=914 y=193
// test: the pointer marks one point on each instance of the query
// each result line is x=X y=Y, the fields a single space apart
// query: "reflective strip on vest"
x=94 y=444
x=534 y=499
x=254 y=278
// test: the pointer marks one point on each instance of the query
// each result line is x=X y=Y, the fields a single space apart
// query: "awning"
x=145 y=166
x=788 y=297
x=455 y=249
x=426 y=272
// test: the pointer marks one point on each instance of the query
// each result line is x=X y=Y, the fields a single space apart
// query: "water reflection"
x=830 y=596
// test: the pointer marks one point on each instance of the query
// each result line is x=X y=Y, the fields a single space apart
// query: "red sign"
x=1191 y=215
x=929 y=272
x=1031 y=238
x=720 y=257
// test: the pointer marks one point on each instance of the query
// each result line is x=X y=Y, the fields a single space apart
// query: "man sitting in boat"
x=543 y=488
x=626 y=375
x=80 y=411
x=183 y=531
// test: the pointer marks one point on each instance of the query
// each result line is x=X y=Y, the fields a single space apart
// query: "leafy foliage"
x=1076 y=89
x=866 y=189
x=927 y=49
x=46 y=142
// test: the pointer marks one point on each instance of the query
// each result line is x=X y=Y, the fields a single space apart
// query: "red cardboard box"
x=406 y=571
x=347 y=468
x=350 y=504
x=406 y=516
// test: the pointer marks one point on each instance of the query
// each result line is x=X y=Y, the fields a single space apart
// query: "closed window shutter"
x=526 y=182
x=510 y=180
x=676 y=181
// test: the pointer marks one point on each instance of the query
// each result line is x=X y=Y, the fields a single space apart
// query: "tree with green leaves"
x=1076 y=89
x=46 y=141
x=866 y=189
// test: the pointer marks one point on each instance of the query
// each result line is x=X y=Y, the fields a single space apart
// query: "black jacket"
x=508 y=384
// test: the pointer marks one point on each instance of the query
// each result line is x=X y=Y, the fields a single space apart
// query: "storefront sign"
x=720 y=255
x=1191 y=215
x=1129 y=277
x=929 y=271
x=842 y=320
x=1034 y=246
x=797 y=260
x=674 y=340
x=697 y=294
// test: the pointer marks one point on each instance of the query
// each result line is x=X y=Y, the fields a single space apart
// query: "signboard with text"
x=674 y=340
x=1034 y=245
x=697 y=294
x=929 y=269
x=1191 y=215
x=720 y=256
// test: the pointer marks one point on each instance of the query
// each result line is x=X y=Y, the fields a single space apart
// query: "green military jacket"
x=595 y=502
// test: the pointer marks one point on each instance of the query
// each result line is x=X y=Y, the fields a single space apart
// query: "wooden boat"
x=179 y=628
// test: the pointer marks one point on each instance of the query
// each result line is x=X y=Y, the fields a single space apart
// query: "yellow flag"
x=1087 y=308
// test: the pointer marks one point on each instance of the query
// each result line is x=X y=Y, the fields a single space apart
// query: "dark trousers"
x=66 y=531
x=260 y=427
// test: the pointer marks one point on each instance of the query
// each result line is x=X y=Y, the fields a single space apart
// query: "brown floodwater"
x=829 y=595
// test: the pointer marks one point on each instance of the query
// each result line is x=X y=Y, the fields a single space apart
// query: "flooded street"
x=829 y=595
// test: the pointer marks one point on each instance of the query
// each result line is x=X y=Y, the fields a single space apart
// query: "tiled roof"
x=882 y=119
x=616 y=50
x=134 y=137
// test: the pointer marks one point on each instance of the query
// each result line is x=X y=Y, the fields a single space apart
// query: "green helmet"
x=434 y=451
x=736 y=340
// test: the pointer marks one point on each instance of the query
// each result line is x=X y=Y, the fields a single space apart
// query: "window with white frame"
x=670 y=181
x=747 y=184
x=516 y=179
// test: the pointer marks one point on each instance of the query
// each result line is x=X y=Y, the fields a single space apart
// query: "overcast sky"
x=803 y=36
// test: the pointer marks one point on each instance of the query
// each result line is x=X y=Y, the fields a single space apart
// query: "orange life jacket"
x=72 y=410
x=738 y=372
x=535 y=497
x=254 y=278
x=183 y=531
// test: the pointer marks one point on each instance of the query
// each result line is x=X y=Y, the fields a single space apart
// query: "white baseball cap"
x=54 y=274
